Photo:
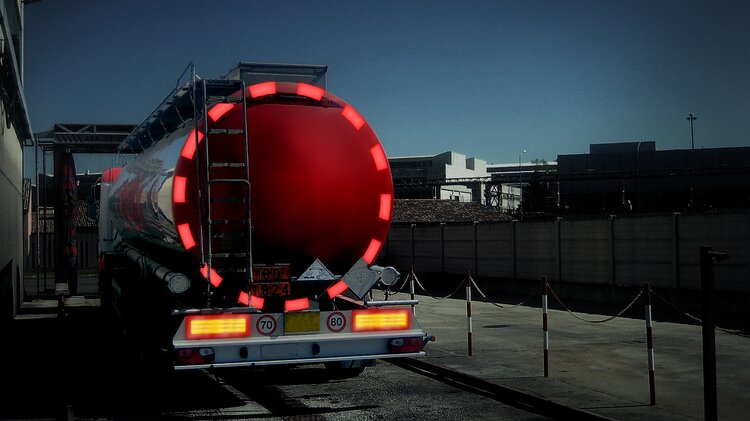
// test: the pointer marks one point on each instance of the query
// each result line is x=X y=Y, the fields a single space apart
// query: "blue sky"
x=484 y=78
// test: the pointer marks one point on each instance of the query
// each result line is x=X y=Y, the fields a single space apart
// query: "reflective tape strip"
x=651 y=359
x=468 y=308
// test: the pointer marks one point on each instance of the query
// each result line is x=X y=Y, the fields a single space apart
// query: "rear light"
x=372 y=320
x=192 y=356
x=403 y=345
x=218 y=326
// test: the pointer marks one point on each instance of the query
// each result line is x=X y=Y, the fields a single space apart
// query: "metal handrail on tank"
x=187 y=103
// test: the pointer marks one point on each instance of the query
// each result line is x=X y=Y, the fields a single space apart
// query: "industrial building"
x=15 y=133
x=449 y=175
x=636 y=177
x=530 y=180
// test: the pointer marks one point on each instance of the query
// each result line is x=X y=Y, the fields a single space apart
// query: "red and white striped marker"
x=545 y=290
x=650 y=345
x=411 y=289
x=469 y=281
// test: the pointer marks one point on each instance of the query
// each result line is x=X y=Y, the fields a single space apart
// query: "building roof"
x=436 y=211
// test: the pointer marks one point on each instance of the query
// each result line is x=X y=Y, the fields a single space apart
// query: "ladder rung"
x=228 y=200
x=221 y=82
x=225 y=131
x=233 y=234
x=227 y=221
x=227 y=99
x=232 y=270
x=229 y=180
x=227 y=165
x=228 y=255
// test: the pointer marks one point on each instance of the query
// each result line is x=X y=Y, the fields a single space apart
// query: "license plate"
x=271 y=273
x=268 y=289
x=303 y=322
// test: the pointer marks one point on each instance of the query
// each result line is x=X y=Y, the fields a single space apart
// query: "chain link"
x=679 y=310
x=436 y=297
x=595 y=321
x=535 y=294
x=482 y=294
x=700 y=322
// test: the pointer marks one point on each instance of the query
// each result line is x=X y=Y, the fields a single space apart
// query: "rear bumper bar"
x=273 y=340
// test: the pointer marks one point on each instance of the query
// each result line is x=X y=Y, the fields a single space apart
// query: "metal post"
x=676 y=249
x=442 y=247
x=514 y=244
x=545 y=290
x=413 y=257
x=691 y=117
x=707 y=258
x=43 y=199
x=476 y=249
x=612 y=248
x=411 y=289
x=650 y=346
x=37 y=247
x=468 y=281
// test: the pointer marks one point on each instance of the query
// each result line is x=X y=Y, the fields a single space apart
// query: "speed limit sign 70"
x=336 y=321
x=266 y=325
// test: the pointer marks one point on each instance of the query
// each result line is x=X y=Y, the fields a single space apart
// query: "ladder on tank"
x=234 y=229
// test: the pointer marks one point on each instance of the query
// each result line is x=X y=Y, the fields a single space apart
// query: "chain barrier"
x=474 y=284
x=733 y=332
x=637 y=296
x=535 y=294
x=389 y=293
x=698 y=320
x=461 y=285
x=679 y=310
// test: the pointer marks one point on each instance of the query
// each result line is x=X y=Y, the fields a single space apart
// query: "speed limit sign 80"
x=336 y=321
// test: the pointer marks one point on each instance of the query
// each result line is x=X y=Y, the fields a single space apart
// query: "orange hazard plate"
x=268 y=289
x=271 y=273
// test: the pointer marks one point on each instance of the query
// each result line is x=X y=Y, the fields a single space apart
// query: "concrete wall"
x=602 y=252
x=11 y=216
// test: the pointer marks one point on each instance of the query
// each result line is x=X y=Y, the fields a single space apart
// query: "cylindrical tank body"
x=321 y=186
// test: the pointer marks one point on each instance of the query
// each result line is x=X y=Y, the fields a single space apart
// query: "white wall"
x=11 y=219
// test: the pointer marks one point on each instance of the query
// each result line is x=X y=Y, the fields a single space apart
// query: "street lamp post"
x=520 y=181
x=638 y=177
x=691 y=117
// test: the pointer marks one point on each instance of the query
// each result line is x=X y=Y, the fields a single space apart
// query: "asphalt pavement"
x=596 y=365
x=600 y=367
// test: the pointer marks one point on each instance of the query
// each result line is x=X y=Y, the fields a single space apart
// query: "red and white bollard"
x=650 y=347
x=468 y=281
x=411 y=289
x=545 y=290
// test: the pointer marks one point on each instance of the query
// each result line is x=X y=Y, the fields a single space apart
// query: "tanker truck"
x=244 y=227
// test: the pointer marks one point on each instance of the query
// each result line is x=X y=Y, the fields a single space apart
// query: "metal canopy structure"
x=84 y=137
x=188 y=98
x=67 y=139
